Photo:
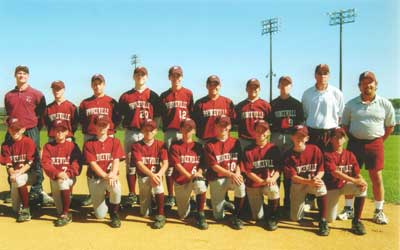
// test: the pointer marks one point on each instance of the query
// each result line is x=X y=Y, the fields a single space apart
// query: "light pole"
x=339 y=18
x=134 y=60
x=270 y=26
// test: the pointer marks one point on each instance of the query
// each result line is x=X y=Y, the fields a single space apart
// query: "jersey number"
x=182 y=114
x=144 y=114
x=232 y=166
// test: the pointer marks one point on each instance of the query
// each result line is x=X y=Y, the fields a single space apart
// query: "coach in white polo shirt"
x=323 y=106
x=370 y=119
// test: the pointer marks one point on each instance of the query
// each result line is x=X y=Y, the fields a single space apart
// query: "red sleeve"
x=210 y=158
x=163 y=152
x=247 y=161
x=89 y=153
x=118 y=152
x=288 y=167
x=174 y=155
x=48 y=168
x=5 y=155
x=76 y=161
x=330 y=165
x=136 y=154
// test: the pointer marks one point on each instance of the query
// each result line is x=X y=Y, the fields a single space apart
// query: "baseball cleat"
x=131 y=200
x=201 y=221
x=346 y=214
x=323 y=228
x=115 y=221
x=24 y=215
x=169 y=201
x=272 y=223
x=63 y=220
x=358 y=228
x=229 y=206
x=237 y=223
x=47 y=200
x=159 y=222
x=87 y=201
x=380 y=217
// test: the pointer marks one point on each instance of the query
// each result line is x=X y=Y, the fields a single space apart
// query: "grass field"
x=391 y=173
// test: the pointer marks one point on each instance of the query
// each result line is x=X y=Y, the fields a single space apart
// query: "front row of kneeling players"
x=310 y=171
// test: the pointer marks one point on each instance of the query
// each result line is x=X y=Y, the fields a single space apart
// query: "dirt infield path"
x=88 y=233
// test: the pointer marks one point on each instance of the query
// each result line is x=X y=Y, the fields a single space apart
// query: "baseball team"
x=301 y=144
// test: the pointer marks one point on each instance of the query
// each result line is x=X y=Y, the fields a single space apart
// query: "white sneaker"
x=307 y=208
x=380 y=217
x=47 y=199
x=346 y=214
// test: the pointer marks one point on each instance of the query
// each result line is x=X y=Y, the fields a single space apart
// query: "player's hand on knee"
x=270 y=182
x=155 y=180
x=237 y=178
x=62 y=176
x=317 y=182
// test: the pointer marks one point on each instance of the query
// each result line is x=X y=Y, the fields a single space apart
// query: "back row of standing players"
x=322 y=105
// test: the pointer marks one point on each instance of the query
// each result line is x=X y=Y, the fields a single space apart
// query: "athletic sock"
x=131 y=183
x=379 y=205
x=322 y=204
x=200 y=200
x=160 y=203
x=66 y=200
x=349 y=202
x=358 y=207
x=23 y=194
x=238 y=206
x=113 y=208
x=170 y=185
x=273 y=206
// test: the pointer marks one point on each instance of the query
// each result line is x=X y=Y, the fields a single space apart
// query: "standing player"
x=136 y=105
x=223 y=158
x=369 y=119
x=177 y=106
x=103 y=155
x=187 y=159
x=150 y=157
x=286 y=113
x=90 y=108
x=60 y=109
x=208 y=108
x=61 y=160
x=262 y=166
x=27 y=105
x=250 y=110
x=342 y=176
x=18 y=155
x=304 y=166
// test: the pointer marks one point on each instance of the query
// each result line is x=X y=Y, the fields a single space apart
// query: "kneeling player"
x=187 y=157
x=61 y=161
x=304 y=166
x=223 y=159
x=103 y=155
x=342 y=177
x=150 y=158
x=262 y=163
x=18 y=154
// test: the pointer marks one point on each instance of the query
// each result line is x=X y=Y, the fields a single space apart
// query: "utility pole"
x=339 y=18
x=270 y=26
x=134 y=60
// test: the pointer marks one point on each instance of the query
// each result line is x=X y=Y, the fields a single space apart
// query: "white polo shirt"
x=367 y=121
x=323 y=109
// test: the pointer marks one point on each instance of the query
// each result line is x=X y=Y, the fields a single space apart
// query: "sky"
x=72 y=40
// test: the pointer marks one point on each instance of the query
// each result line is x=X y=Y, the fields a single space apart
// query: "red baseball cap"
x=175 y=70
x=339 y=131
x=98 y=77
x=149 y=123
x=367 y=75
x=57 y=84
x=213 y=79
x=14 y=123
x=253 y=82
x=60 y=124
x=188 y=123
x=261 y=123
x=322 y=69
x=300 y=129
x=223 y=120
x=102 y=120
x=140 y=69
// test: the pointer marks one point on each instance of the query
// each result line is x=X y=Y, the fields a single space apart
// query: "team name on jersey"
x=176 y=104
x=285 y=113
x=60 y=116
x=104 y=157
x=252 y=114
x=18 y=158
x=189 y=159
x=227 y=157
x=345 y=169
x=139 y=104
x=97 y=111
x=214 y=112
x=263 y=164
x=306 y=168
x=150 y=160
x=60 y=160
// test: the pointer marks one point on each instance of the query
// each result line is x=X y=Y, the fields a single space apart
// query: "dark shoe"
x=63 y=220
x=47 y=200
x=201 y=221
x=131 y=200
x=169 y=201
x=115 y=221
x=87 y=201
x=7 y=198
x=237 y=223
x=323 y=228
x=159 y=222
x=24 y=215
x=228 y=206
x=358 y=228
x=35 y=198
x=272 y=223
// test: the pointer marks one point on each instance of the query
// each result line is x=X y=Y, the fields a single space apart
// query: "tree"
x=395 y=103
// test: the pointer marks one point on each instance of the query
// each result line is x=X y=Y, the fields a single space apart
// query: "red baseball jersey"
x=247 y=113
x=27 y=105
x=178 y=105
x=226 y=154
x=305 y=164
x=345 y=162
x=95 y=106
x=262 y=161
x=18 y=152
x=103 y=153
x=150 y=155
x=207 y=110
x=61 y=157
x=286 y=114
x=66 y=111
x=136 y=107
x=189 y=155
